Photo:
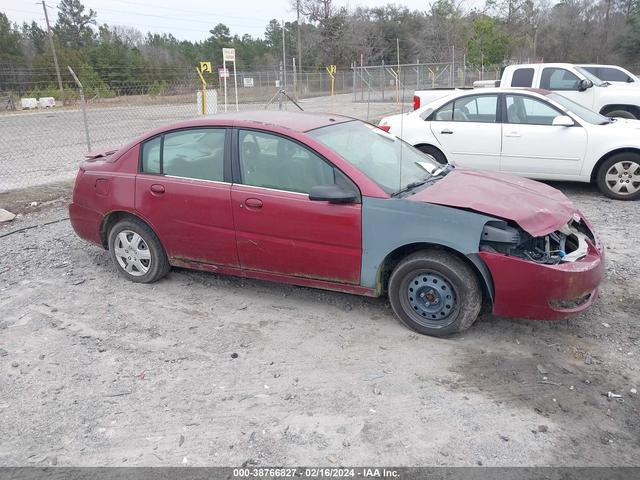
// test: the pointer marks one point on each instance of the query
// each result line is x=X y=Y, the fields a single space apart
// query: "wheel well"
x=432 y=146
x=627 y=108
x=604 y=158
x=110 y=219
x=392 y=259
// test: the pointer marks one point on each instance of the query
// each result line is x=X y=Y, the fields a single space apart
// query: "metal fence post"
x=84 y=108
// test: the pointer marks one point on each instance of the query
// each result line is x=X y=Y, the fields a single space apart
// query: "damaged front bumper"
x=527 y=289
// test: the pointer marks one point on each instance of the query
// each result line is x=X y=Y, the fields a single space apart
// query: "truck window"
x=609 y=74
x=558 y=79
x=522 y=77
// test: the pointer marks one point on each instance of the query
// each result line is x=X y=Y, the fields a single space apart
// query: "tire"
x=435 y=293
x=619 y=176
x=137 y=252
x=621 y=114
x=434 y=152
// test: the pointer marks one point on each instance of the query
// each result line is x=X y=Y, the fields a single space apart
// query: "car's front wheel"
x=137 y=252
x=619 y=176
x=435 y=293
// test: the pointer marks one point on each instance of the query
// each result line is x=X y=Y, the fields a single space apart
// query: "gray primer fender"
x=388 y=224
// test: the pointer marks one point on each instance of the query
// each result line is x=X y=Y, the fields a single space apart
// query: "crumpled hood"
x=537 y=208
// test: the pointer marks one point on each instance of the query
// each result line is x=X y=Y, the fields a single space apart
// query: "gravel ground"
x=201 y=369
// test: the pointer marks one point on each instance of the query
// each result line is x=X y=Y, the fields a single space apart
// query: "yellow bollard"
x=204 y=92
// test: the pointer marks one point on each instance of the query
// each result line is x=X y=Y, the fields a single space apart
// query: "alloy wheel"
x=623 y=177
x=132 y=253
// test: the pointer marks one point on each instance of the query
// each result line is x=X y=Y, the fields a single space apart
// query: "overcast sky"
x=185 y=19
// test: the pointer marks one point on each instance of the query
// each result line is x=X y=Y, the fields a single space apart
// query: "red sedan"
x=331 y=202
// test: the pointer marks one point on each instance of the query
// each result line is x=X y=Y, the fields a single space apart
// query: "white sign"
x=248 y=82
x=229 y=54
x=46 y=102
x=223 y=72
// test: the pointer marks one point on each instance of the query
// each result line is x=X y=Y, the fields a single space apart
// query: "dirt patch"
x=202 y=369
x=21 y=201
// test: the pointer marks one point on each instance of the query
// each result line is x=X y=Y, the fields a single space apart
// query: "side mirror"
x=332 y=194
x=584 y=84
x=563 y=121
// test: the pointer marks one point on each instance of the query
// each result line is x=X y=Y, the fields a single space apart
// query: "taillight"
x=386 y=128
x=416 y=102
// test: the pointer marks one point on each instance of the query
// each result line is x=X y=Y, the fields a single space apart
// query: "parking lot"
x=201 y=369
x=41 y=147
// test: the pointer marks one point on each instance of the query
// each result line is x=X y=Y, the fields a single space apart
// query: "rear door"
x=279 y=230
x=184 y=190
x=532 y=146
x=468 y=130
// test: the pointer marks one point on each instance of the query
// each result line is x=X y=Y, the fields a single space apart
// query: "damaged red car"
x=331 y=202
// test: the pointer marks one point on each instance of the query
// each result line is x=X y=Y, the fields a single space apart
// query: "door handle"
x=447 y=131
x=157 y=189
x=253 y=203
x=512 y=134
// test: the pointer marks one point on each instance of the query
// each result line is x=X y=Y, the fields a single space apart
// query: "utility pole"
x=299 y=34
x=53 y=49
x=284 y=59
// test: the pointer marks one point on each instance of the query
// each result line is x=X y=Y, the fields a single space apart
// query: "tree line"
x=112 y=59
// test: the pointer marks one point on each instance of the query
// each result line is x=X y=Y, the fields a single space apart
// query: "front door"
x=468 y=131
x=279 y=230
x=532 y=146
x=181 y=190
x=566 y=83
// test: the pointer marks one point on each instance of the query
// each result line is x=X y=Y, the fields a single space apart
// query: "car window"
x=384 y=158
x=445 y=113
x=528 y=110
x=151 y=155
x=273 y=161
x=193 y=153
x=522 y=77
x=476 y=108
x=609 y=74
x=559 y=79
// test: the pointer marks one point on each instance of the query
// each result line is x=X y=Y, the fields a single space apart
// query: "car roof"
x=296 y=121
x=532 y=65
x=437 y=103
x=598 y=65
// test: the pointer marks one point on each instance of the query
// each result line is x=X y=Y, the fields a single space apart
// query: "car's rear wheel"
x=619 y=176
x=435 y=293
x=621 y=114
x=434 y=152
x=137 y=252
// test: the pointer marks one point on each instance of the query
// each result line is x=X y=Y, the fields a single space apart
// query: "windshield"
x=393 y=164
x=590 y=76
x=584 y=113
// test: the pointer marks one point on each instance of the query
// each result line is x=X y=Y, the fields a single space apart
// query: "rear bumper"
x=86 y=223
x=524 y=289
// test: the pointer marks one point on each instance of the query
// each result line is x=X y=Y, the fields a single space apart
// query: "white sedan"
x=531 y=133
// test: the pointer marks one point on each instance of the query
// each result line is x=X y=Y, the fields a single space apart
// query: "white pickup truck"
x=571 y=81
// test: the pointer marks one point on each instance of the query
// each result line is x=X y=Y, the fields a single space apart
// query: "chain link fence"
x=42 y=144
